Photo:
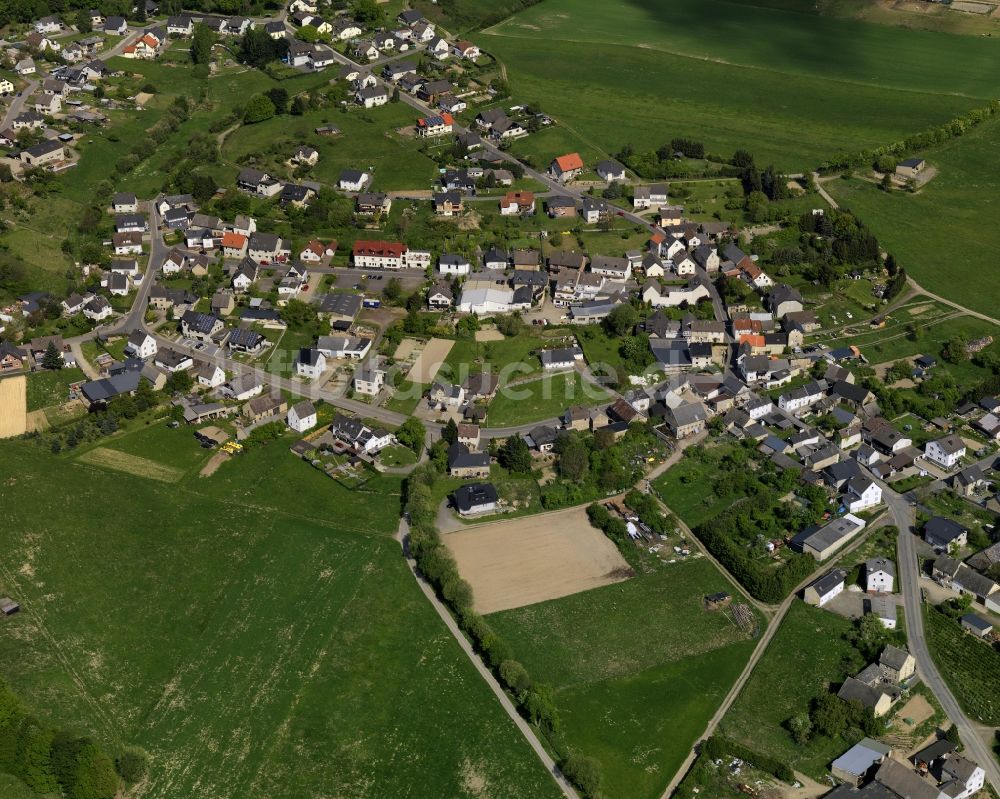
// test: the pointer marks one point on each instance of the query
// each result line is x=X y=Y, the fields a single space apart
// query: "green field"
x=45 y=388
x=819 y=85
x=638 y=668
x=256 y=643
x=544 y=398
x=806 y=656
x=368 y=138
x=952 y=207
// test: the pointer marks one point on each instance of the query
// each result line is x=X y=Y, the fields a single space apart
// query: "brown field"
x=132 y=464
x=213 y=464
x=430 y=360
x=489 y=335
x=522 y=561
x=405 y=349
x=13 y=406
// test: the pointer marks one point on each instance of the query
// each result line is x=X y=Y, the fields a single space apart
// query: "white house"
x=945 y=452
x=879 y=575
x=353 y=180
x=311 y=363
x=211 y=376
x=969 y=775
x=140 y=345
x=801 y=397
x=563 y=358
x=825 y=588
x=301 y=416
x=862 y=493
x=450 y=264
x=369 y=379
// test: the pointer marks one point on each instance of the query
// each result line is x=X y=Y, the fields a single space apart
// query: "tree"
x=742 y=159
x=574 y=459
x=450 y=432
x=411 y=434
x=94 y=776
x=886 y=182
x=53 y=359
x=395 y=95
x=954 y=350
x=132 y=765
x=179 y=382
x=393 y=290
x=800 y=727
x=621 y=320
x=515 y=456
x=202 y=42
x=299 y=105
x=257 y=48
x=82 y=22
x=829 y=715
x=515 y=677
x=279 y=97
x=368 y=13
x=258 y=109
x=584 y=772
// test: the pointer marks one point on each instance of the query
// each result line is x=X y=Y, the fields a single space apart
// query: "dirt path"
x=82 y=362
x=213 y=464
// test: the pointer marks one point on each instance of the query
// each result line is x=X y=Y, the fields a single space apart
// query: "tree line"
x=51 y=760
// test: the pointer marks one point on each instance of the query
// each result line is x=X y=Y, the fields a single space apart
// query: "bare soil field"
x=213 y=464
x=405 y=349
x=430 y=360
x=13 y=406
x=519 y=562
x=915 y=712
x=131 y=464
x=489 y=335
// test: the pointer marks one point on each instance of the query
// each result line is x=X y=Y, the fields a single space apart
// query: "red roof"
x=382 y=249
x=569 y=161
x=658 y=237
x=234 y=240
x=522 y=198
x=753 y=341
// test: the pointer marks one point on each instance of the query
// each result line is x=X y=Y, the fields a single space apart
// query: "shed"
x=976 y=625
x=8 y=607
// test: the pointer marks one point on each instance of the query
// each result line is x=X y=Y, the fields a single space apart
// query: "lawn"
x=45 y=388
x=807 y=655
x=397 y=456
x=251 y=645
x=176 y=448
x=511 y=358
x=676 y=486
x=842 y=84
x=406 y=398
x=638 y=668
x=544 y=398
x=951 y=207
x=970 y=667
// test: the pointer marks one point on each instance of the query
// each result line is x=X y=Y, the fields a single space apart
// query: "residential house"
x=464 y=463
x=879 y=575
x=825 y=588
x=610 y=171
x=311 y=363
x=946 y=452
x=353 y=180
x=566 y=167
x=369 y=379
x=140 y=345
x=301 y=416
x=475 y=499
x=200 y=326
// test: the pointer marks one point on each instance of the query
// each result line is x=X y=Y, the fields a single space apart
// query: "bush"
x=584 y=772
x=718 y=746
x=132 y=765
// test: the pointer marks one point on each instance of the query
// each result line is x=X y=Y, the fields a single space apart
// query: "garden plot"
x=426 y=366
x=519 y=562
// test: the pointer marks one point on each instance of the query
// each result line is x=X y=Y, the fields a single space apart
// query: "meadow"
x=940 y=234
x=819 y=84
x=807 y=655
x=638 y=667
x=544 y=398
x=256 y=631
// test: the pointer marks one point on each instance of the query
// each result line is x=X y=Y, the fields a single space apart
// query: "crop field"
x=131 y=464
x=638 y=667
x=952 y=207
x=13 y=408
x=429 y=361
x=970 y=667
x=524 y=561
x=544 y=398
x=253 y=650
x=820 y=85
x=806 y=656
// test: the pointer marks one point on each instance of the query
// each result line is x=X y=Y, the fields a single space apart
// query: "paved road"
x=568 y=791
x=907 y=567
x=17 y=104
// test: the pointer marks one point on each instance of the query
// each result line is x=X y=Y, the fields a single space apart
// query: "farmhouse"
x=467 y=464
x=825 y=588
x=822 y=542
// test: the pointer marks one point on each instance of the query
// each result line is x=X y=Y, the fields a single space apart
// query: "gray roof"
x=110 y=387
x=303 y=409
x=829 y=581
x=893 y=657
x=861 y=757
x=942 y=531
x=880 y=564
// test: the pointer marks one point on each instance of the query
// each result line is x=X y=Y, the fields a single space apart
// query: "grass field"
x=843 y=83
x=806 y=656
x=253 y=646
x=51 y=388
x=638 y=668
x=544 y=398
x=676 y=487
x=951 y=208
x=368 y=138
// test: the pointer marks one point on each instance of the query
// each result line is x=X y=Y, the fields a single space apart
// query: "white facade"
x=945 y=452
x=301 y=417
x=144 y=348
x=869 y=498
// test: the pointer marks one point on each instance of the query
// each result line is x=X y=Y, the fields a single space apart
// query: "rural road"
x=568 y=791
x=907 y=567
